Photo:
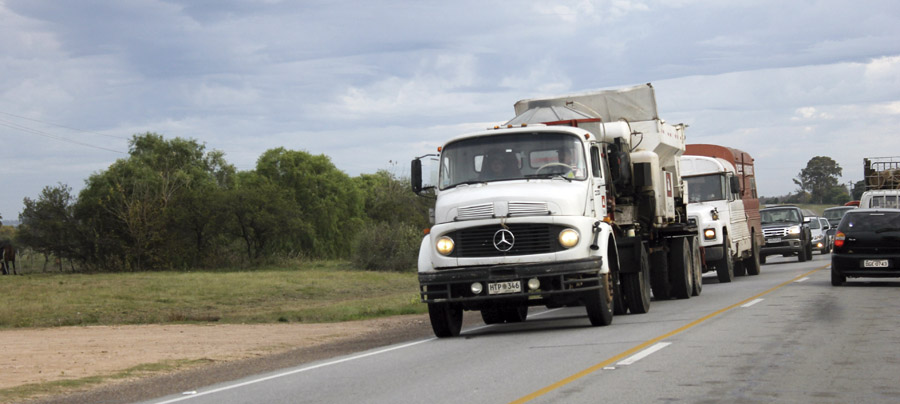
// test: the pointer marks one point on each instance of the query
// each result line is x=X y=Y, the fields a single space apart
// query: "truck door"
x=598 y=183
x=740 y=233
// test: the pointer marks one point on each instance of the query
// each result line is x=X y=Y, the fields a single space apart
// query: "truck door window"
x=595 y=162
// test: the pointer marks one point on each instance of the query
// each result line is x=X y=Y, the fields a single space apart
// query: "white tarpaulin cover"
x=633 y=104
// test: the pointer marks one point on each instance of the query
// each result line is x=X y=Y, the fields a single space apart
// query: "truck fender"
x=603 y=240
x=424 y=263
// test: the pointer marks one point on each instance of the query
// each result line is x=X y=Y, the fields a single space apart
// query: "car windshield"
x=878 y=222
x=511 y=157
x=814 y=224
x=768 y=216
x=704 y=188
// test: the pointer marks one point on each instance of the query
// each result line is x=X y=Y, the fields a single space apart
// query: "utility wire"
x=13 y=125
x=62 y=126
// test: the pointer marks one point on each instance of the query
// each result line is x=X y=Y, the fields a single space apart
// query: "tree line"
x=171 y=204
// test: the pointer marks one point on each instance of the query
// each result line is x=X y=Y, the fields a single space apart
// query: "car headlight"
x=795 y=230
x=445 y=245
x=709 y=234
x=568 y=238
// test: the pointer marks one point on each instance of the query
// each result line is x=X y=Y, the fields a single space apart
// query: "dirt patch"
x=51 y=354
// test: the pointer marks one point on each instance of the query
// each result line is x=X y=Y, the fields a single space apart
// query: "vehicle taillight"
x=839 y=239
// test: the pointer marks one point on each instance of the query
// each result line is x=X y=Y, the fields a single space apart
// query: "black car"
x=786 y=229
x=867 y=244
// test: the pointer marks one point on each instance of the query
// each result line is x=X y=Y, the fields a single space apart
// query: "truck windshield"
x=703 y=188
x=779 y=216
x=512 y=156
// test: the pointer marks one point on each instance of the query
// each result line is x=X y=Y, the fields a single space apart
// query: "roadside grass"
x=35 y=390
x=326 y=291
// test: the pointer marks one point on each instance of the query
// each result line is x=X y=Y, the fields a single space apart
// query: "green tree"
x=326 y=198
x=152 y=210
x=858 y=188
x=48 y=225
x=820 y=175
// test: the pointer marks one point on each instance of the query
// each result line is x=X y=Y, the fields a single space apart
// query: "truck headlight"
x=709 y=234
x=795 y=230
x=445 y=245
x=568 y=238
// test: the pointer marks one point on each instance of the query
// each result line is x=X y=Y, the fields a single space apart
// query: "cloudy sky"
x=374 y=83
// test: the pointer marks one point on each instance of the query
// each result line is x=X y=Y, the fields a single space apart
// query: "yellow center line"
x=649 y=342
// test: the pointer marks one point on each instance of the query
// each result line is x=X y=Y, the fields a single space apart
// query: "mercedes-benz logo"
x=504 y=240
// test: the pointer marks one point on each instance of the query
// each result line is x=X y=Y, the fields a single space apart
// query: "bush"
x=387 y=247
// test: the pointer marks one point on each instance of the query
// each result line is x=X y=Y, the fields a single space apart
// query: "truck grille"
x=776 y=232
x=529 y=239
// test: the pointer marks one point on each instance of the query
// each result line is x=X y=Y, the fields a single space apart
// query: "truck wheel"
x=514 y=313
x=680 y=273
x=446 y=320
x=762 y=259
x=739 y=268
x=491 y=315
x=752 y=263
x=636 y=286
x=599 y=303
x=659 y=275
x=801 y=255
x=809 y=252
x=697 y=266
x=725 y=266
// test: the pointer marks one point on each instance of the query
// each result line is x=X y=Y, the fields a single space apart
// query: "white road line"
x=752 y=302
x=275 y=376
x=802 y=279
x=643 y=354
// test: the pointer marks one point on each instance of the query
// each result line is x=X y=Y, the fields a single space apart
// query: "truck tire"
x=809 y=252
x=752 y=263
x=739 y=268
x=636 y=286
x=801 y=255
x=599 y=303
x=681 y=276
x=697 y=266
x=762 y=259
x=725 y=266
x=446 y=319
x=659 y=275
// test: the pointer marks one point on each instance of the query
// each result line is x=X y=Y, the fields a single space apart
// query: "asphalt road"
x=784 y=336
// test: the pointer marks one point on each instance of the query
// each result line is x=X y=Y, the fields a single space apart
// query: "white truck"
x=578 y=200
x=722 y=201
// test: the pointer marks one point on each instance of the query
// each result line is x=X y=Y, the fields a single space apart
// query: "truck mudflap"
x=455 y=285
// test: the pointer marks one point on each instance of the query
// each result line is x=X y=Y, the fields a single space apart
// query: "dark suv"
x=786 y=229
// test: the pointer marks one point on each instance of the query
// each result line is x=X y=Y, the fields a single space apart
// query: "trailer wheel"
x=599 y=303
x=752 y=263
x=697 y=266
x=636 y=286
x=725 y=266
x=446 y=320
x=680 y=268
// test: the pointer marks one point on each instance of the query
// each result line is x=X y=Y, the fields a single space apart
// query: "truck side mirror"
x=415 y=175
x=735 y=185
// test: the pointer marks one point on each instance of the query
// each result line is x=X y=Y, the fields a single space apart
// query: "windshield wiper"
x=467 y=183
x=548 y=176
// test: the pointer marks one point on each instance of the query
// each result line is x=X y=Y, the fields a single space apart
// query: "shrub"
x=387 y=247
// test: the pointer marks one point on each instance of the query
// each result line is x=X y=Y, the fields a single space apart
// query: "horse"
x=8 y=253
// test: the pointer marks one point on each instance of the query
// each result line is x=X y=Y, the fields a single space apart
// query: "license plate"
x=875 y=263
x=500 y=288
x=773 y=240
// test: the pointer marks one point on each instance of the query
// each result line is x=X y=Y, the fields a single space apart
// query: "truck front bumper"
x=455 y=284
